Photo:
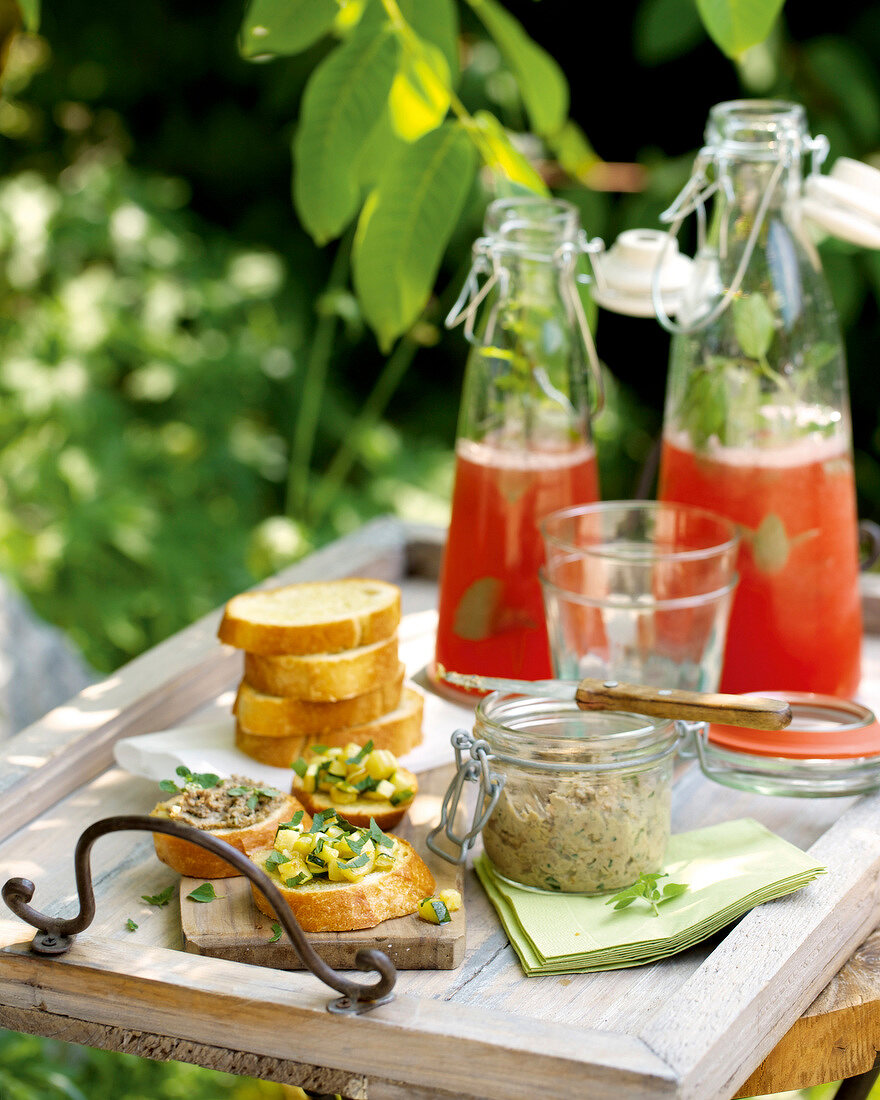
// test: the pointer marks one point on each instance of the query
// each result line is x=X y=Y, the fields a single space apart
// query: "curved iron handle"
x=55 y=935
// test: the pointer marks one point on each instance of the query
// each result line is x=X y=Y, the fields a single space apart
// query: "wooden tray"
x=233 y=928
x=694 y=1027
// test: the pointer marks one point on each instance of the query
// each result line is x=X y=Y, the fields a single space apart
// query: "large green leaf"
x=665 y=29
x=345 y=97
x=285 y=26
x=542 y=83
x=436 y=21
x=736 y=25
x=30 y=13
x=405 y=226
x=420 y=94
x=503 y=157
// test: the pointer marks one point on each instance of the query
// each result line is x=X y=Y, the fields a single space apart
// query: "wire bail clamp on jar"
x=488 y=263
x=474 y=770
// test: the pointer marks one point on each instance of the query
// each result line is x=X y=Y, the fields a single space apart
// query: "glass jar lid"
x=822 y=726
x=830 y=749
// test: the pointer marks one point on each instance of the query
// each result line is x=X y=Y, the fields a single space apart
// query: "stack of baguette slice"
x=321 y=666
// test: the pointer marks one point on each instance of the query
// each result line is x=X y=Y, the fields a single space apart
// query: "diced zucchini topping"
x=451 y=899
x=434 y=910
x=354 y=773
x=331 y=849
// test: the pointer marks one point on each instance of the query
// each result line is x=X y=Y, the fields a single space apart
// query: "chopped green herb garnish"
x=400 y=796
x=253 y=801
x=159 y=900
x=292 y=824
x=358 y=757
x=130 y=925
x=204 y=893
x=299 y=879
x=366 y=784
x=357 y=843
x=300 y=767
x=276 y=932
x=378 y=836
x=321 y=820
x=318 y=750
x=358 y=861
x=274 y=858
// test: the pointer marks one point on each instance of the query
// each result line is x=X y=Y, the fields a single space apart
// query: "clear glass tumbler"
x=639 y=591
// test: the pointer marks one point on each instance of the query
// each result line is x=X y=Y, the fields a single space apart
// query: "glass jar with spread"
x=571 y=800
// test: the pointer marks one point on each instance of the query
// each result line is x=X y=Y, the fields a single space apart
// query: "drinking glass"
x=639 y=591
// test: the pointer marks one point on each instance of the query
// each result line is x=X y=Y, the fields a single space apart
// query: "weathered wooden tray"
x=695 y=1026
x=233 y=928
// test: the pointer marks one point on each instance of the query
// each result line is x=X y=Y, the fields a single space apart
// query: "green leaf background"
x=405 y=227
x=344 y=100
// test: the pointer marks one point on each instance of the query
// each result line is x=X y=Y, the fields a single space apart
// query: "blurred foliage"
x=145 y=389
x=45 y=1069
x=191 y=397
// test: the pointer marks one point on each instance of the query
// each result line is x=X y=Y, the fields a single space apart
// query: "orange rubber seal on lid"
x=822 y=727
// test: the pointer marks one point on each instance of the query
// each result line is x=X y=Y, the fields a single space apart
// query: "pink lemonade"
x=796 y=619
x=491 y=611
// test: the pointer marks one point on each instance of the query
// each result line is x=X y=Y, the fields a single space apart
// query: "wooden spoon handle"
x=692 y=706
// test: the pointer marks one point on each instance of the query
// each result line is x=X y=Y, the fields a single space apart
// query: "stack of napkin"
x=728 y=869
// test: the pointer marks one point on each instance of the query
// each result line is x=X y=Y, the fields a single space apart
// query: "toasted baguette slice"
x=399 y=731
x=323 y=906
x=286 y=716
x=312 y=617
x=325 y=677
x=189 y=859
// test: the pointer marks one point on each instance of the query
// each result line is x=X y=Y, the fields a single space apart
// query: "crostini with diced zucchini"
x=361 y=782
x=337 y=877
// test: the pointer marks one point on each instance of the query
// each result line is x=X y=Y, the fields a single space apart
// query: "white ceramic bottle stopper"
x=624 y=275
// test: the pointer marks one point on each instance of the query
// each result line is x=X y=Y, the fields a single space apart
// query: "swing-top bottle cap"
x=846 y=202
x=624 y=275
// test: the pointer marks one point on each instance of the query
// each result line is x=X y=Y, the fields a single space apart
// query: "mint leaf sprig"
x=645 y=887
x=205 y=780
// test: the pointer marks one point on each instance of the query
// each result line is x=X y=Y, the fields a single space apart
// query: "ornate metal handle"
x=55 y=935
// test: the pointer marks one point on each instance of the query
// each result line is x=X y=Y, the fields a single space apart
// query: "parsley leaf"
x=276 y=932
x=130 y=925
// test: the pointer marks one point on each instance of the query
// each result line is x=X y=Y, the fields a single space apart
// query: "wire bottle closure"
x=692 y=199
x=488 y=264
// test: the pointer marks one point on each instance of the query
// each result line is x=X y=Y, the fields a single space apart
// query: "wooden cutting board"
x=233 y=928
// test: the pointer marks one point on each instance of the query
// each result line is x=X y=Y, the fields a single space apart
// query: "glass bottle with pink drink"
x=757 y=423
x=524 y=445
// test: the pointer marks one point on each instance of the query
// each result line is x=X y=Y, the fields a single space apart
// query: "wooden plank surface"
x=233 y=928
x=695 y=1025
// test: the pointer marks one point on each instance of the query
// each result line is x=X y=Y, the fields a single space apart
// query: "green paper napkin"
x=728 y=868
